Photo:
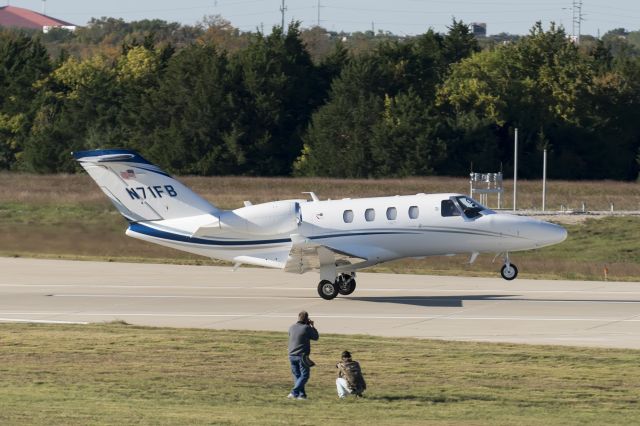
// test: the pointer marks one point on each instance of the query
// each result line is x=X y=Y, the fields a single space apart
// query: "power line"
x=534 y=8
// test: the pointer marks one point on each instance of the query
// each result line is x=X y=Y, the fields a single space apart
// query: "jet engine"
x=278 y=217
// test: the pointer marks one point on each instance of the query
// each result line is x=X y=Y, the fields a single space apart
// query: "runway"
x=583 y=313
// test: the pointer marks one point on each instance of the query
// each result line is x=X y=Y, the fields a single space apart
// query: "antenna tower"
x=283 y=9
x=578 y=17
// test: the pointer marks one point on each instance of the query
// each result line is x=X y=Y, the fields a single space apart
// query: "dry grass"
x=231 y=191
x=68 y=241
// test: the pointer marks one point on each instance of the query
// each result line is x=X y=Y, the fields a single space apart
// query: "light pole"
x=544 y=178
x=515 y=171
x=283 y=9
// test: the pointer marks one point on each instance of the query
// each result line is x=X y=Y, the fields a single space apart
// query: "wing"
x=306 y=255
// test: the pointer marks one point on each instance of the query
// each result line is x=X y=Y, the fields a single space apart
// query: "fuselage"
x=376 y=229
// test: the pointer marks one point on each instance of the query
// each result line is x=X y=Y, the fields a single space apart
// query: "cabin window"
x=369 y=215
x=448 y=208
x=392 y=213
x=414 y=212
x=347 y=216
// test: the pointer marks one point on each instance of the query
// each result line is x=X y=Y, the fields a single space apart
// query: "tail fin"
x=140 y=190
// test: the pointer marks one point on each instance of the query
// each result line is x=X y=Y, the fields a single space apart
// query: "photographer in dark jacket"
x=300 y=335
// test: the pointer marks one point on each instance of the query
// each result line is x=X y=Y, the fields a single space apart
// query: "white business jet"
x=337 y=237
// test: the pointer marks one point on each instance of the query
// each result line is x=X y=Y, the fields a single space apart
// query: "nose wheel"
x=509 y=271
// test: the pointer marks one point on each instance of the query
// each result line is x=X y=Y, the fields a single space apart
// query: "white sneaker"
x=291 y=396
x=302 y=397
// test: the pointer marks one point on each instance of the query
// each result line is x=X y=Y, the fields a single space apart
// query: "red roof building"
x=17 y=17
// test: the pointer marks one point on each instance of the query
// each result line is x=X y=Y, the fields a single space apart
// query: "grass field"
x=120 y=374
x=229 y=192
x=67 y=216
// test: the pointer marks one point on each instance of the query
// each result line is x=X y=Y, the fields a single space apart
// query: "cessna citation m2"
x=337 y=237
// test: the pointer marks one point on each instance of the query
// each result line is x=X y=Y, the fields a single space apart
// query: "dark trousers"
x=300 y=375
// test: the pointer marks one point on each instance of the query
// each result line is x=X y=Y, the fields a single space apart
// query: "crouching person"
x=350 y=380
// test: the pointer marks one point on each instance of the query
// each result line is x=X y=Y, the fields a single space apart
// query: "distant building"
x=17 y=17
x=479 y=29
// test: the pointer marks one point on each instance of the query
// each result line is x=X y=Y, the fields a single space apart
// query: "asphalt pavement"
x=584 y=313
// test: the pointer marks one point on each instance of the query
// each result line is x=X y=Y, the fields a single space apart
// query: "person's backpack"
x=353 y=374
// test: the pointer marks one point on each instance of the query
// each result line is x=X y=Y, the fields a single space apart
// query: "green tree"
x=544 y=85
x=184 y=125
x=537 y=81
x=380 y=118
x=277 y=88
x=338 y=142
x=23 y=62
x=405 y=141
x=78 y=105
x=459 y=43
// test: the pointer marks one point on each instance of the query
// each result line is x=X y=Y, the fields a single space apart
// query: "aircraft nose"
x=545 y=233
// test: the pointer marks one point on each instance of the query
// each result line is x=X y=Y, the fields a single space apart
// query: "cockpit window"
x=448 y=208
x=471 y=208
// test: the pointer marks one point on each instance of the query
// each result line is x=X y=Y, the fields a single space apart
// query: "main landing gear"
x=344 y=284
x=509 y=271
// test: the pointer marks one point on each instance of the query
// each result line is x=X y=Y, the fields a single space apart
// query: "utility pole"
x=515 y=170
x=318 y=24
x=577 y=18
x=283 y=8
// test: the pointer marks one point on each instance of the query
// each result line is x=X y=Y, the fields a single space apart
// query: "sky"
x=402 y=17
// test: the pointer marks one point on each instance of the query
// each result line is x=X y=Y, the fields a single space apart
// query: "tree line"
x=211 y=100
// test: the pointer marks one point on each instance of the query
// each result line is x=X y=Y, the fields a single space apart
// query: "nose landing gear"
x=344 y=284
x=509 y=271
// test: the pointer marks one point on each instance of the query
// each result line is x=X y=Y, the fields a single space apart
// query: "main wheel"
x=509 y=272
x=327 y=290
x=346 y=284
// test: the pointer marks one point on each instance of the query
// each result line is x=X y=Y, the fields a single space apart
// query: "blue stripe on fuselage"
x=157 y=233
x=359 y=234
x=165 y=235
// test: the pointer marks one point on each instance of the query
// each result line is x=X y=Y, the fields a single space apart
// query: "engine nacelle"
x=277 y=217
